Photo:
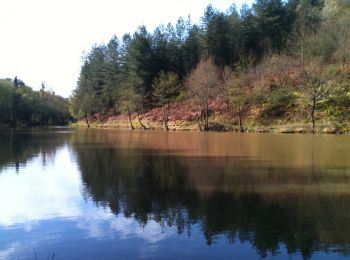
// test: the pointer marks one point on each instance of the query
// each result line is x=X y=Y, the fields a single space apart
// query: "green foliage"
x=7 y=93
x=165 y=88
x=182 y=96
x=331 y=43
x=324 y=44
x=128 y=100
x=342 y=52
x=228 y=38
x=280 y=101
x=264 y=44
x=337 y=104
x=236 y=92
x=272 y=24
x=81 y=102
x=19 y=104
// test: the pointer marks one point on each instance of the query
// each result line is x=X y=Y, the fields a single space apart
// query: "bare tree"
x=202 y=83
x=316 y=91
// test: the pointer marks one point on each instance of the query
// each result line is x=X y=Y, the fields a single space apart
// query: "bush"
x=279 y=101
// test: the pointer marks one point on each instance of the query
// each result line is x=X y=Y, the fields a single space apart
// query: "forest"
x=20 y=105
x=273 y=61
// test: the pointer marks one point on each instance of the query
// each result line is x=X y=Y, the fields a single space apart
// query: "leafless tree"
x=203 y=85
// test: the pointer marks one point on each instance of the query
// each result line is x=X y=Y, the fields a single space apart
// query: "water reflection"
x=269 y=202
x=107 y=194
x=43 y=210
x=18 y=147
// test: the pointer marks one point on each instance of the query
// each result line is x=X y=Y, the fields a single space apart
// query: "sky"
x=43 y=40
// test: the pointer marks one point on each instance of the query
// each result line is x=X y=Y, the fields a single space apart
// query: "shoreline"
x=283 y=128
x=215 y=126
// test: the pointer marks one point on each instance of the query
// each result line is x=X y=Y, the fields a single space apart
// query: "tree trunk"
x=313 y=108
x=240 y=119
x=199 y=121
x=87 y=121
x=206 y=117
x=29 y=118
x=138 y=117
x=343 y=63
x=129 y=115
x=302 y=57
x=165 y=116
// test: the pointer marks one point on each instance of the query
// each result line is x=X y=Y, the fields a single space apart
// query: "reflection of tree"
x=17 y=147
x=222 y=196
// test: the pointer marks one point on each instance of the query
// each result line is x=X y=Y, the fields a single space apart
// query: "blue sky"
x=43 y=40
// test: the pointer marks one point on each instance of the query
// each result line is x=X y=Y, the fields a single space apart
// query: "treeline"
x=21 y=105
x=276 y=58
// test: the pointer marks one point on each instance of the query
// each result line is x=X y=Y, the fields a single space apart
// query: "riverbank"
x=183 y=116
x=219 y=126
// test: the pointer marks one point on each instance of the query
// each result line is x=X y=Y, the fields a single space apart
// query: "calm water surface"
x=106 y=194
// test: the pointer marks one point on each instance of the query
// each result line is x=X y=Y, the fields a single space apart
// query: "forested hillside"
x=276 y=61
x=21 y=105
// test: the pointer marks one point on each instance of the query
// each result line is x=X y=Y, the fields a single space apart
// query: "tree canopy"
x=21 y=105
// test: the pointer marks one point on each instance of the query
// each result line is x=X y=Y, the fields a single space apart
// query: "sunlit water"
x=106 y=194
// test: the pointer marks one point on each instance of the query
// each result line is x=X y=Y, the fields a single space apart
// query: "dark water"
x=104 y=194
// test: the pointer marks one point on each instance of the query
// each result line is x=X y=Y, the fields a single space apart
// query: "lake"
x=108 y=194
